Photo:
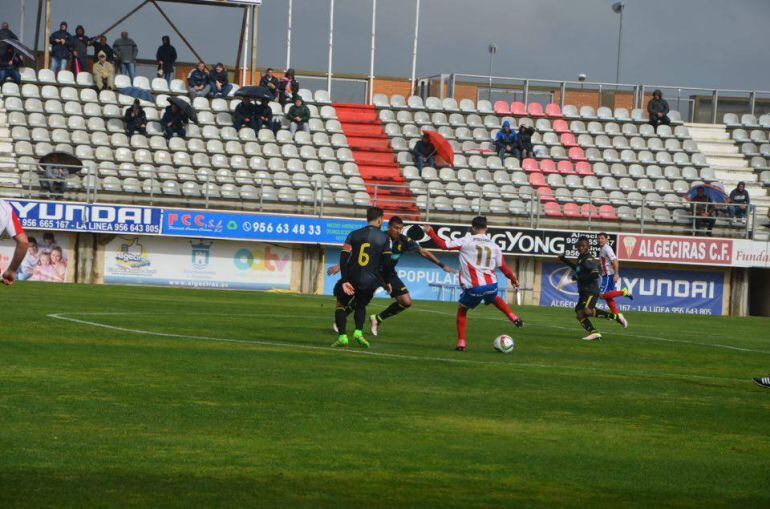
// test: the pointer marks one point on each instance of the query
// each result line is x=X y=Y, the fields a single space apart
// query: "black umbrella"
x=67 y=161
x=255 y=93
x=185 y=107
x=21 y=48
x=138 y=93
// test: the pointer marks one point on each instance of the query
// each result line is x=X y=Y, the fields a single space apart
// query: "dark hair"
x=80 y=27
x=395 y=220
x=583 y=238
x=602 y=234
x=47 y=235
x=479 y=223
x=57 y=248
x=32 y=240
x=373 y=213
x=165 y=38
x=268 y=70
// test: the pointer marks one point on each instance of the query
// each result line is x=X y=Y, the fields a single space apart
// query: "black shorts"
x=587 y=300
x=362 y=296
x=397 y=286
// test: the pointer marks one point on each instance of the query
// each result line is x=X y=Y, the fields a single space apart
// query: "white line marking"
x=601 y=371
x=653 y=338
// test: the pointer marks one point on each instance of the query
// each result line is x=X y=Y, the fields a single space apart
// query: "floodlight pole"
x=288 y=36
x=492 y=51
x=21 y=20
x=414 y=44
x=331 y=47
x=47 y=51
x=246 y=47
x=371 y=56
x=619 y=7
x=254 y=36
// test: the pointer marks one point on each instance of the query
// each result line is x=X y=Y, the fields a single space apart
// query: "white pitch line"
x=330 y=350
x=654 y=338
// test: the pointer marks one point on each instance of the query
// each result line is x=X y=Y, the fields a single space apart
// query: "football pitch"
x=128 y=396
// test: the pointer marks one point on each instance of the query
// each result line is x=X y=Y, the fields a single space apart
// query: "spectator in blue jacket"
x=61 y=48
x=173 y=122
x=199 y=81
x=424 y=152
x=219 y=82
x=264 y=116
x=9 y=65
x=166 y=58
x=506 y=142
x=80 y=42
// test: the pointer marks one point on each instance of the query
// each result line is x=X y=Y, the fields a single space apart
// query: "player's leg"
x=403 y=301
x=609 y=293
x=503 y=307
x=344 y=302
x=584 y=308
x=363 y=297
x=468 y=300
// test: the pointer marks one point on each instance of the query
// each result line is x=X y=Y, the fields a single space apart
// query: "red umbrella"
x=445 y=154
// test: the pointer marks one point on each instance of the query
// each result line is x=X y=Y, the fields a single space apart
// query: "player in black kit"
x=401 y=244
x=587 y=275
x=365 y=265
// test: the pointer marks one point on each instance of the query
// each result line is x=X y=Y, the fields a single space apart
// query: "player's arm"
x=508 y=272
x=347 y=248
x=452 y=245
x=334 y=269
x=22 y=243
x=563 y=258
x=616 y=269
x=432 y=258
x=387 y=268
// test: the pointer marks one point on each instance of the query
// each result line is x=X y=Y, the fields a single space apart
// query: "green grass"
x=658 y=415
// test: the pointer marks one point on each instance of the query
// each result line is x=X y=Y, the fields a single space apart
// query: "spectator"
x=79 y=50
x=424 y=152
x=104 y=73
x=506 y=142
x=287 y=87
x=135 y=119
x=525 y=142
x=270 y=82
x=100 y=45
x=198 y=81
x=245 y=114
x=173 y=122
x=125 y=53
x=5 y=33
x=264 y=114
x=657 y=109
x=704 y=212
x=219 y=82
x=9 y=65
x=740 y=200
x=299 y=116
x=166 y=57
x=55 y=181
x=61 y=48
x=31 y=260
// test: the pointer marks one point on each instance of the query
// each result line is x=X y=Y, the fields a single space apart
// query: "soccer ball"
x=504 y=344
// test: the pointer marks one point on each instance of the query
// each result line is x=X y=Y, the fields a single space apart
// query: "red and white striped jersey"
x=606 y=257
x=9 y=221
x=479 y=258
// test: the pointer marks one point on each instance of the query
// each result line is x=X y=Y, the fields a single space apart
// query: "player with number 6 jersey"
x=480 y=257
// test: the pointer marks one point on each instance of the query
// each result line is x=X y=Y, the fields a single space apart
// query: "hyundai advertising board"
x=654 y=290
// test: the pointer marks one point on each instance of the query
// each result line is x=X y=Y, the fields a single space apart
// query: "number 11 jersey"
x=479 y=258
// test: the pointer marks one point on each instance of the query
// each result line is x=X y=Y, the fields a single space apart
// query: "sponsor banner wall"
x=654 y=289
x=197 y=263
x=522 y=241
x=425 y=280
x=49 y=258
x=676 y=250
x=751 y=253
x=85 y=217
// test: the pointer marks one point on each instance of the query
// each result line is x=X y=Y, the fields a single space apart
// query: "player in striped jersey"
x=610 y=269
x=480 y=257
x=10 y=226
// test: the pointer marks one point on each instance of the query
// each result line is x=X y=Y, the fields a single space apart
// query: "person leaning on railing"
x=55 y=180
x=740 y=201
x=704 y=212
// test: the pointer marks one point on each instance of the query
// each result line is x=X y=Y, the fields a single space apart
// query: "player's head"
x=582 y=245
x=479 y=225
x=374 y=216
x=395 y=226
x=602 y=239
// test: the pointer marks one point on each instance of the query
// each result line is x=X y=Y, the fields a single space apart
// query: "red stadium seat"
x=560 y=126
x=589 y=210
x=535 y=110
x=548 y=166
x=583 y=168
x=545 y=194
x=537 y=180
x=572 y=210
x=552 y=209
x=553 y=111
x=576 y=154
x=565 y=168
x=518 y=109
x=568 y=140
x=529 y=165
x=608 y=212
x=501 y=108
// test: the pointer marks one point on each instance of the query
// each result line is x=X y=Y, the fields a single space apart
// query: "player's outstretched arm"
x=22 y=243
x=432 y=258
x=334 y=269
x=440 y=243
x=566 y=260
x=509 y=273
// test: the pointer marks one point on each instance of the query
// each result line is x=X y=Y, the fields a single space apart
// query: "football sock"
x=462 y=317
x=610 y=302
x=341 y=320
x=360 y=317
x=503 y=306
x=392 y=310
x=613 y=294
x=600 y=313
x=586 y=324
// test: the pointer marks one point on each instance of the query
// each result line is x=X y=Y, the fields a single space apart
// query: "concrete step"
x=5 y=134
x=699 y=135
x=726 y=177
x=717 y=147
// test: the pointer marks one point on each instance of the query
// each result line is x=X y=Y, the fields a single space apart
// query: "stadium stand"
x=588 y=165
